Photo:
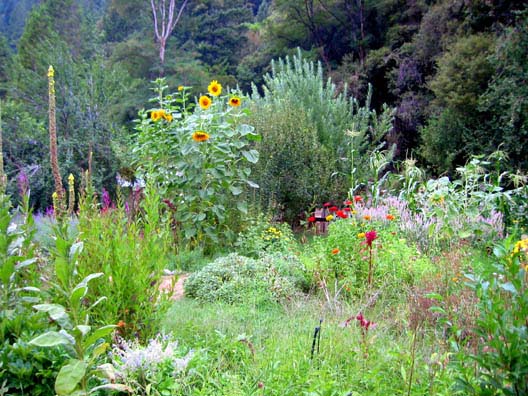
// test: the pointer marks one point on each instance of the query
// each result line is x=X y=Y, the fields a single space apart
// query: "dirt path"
x=168 y=285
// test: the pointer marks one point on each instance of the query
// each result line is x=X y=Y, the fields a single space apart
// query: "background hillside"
x=454 y=71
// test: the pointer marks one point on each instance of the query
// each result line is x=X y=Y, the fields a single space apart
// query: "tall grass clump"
x=132 y=252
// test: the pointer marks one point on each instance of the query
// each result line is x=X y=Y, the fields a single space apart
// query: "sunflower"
x=214 y=88
x=235 y=101
x=200 y=136
x=167 y=117
x=205 y=102
x=156 y=115
x=181 y=87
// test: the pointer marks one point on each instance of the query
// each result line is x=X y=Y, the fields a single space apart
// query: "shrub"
x=132 y=253
x=264 y=236
x=314 y=138
x=236 y=279
x=502 y=356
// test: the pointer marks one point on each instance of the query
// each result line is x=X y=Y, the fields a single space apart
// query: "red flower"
x=357 y=198
x=390 y=217
x=335 y=251
x=348 y=202
x=327 y=204
x=333 y=209
x=370 y=236
x=347 y=209
x=364 y=323
x=341 y=214
x=311 y=219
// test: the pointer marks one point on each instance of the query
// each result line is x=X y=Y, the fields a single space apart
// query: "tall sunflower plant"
x=199 y=152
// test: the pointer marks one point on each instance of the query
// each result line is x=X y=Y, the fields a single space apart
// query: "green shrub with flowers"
x=200 y=154
x=264 y=236
x=361 y=252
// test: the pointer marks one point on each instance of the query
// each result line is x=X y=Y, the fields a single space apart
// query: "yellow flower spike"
x=205 y=102
x=54 y=195
x=51 y=72
x=214 y=88
x=71 y=179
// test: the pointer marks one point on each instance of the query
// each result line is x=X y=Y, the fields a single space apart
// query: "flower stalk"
x=58 y=201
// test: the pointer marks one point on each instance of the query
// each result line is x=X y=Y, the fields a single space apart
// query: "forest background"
x=454 y=71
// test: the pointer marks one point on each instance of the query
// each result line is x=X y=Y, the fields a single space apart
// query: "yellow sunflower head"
x=235 y=101
x=168 y=117
x=200 y=136
x=205 y=102
x=214 y=88
x=180 y=87
x=156 y=115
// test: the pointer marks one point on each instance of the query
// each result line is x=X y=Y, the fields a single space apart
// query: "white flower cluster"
x=130 y=358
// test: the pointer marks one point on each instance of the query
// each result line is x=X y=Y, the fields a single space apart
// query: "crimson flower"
x=327 y=204
x=341 y=214
x=333 y=209
x=370 y=236
x=311 y=219
x=347 y=209
x=358 y=198
x=348 y=202
x=364 y=323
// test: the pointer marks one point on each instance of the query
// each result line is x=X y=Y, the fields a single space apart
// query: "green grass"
x=241 y=346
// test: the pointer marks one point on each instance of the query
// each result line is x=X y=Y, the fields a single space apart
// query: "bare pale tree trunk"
x=165 y=20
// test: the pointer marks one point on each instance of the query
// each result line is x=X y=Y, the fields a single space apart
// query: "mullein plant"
x=58 y=195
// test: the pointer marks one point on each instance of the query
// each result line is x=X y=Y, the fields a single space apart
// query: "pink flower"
x=364 y=323
x=370 y=236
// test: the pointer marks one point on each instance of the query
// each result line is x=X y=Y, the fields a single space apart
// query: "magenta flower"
x=364 y=323
x=370 y=236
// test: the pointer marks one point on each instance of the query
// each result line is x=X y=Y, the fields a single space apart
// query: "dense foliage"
x=356 y=224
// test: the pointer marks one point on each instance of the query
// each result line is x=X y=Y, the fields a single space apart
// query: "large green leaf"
x=69 y=377
x=97 y=334
x=251 y=155
x=51 y=339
